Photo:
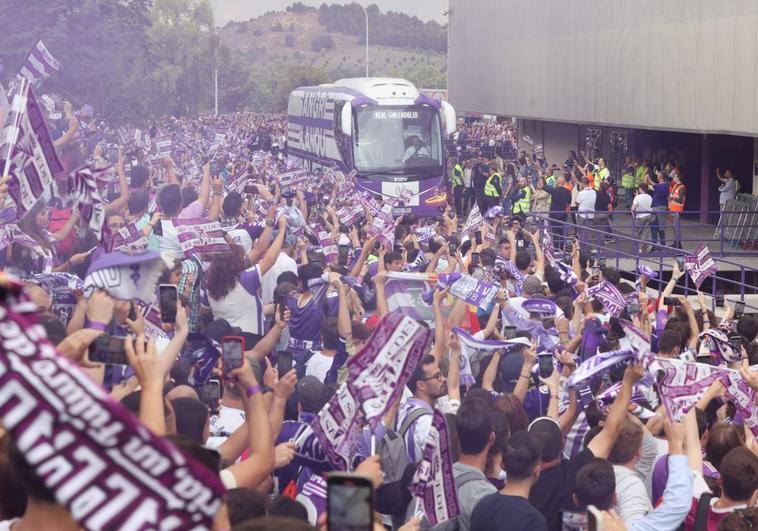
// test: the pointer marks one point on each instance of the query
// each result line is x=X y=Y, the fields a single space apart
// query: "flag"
x=32 y=161
x=700 y=266
x=200 y=236
x=469 y=289
x=106 y=468
x=61 y=288
x=405 y=293
x=376 y=377
x=743 y=396
x=609 y=295
x=434 y=483
x=128 y=239
x=39 y=64
x=683 y=384
x=83 y=189
x=473 y=221
x=125 y=276
x=598 y=365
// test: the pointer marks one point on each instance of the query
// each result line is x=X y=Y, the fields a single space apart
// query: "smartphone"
x=633 y=308
x=545 y=362
x=211 y=394
x=594 y=519
x=168 y=297
x=232 y=348
x=452 y=247
x=520 y=244
x=108 y=349
x=132 y=315
x=251 y=188
x=672 y=301
x=680 y=263
x=739 y=309
x=478 y=237
x=509 y=332
x=283 y=362
x=601 y=262
x=719 y=299
x=475 y=259
x=349 y=502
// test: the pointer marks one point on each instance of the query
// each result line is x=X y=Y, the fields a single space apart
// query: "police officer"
x=456 y=183
x=522 y=197
x=492 y=188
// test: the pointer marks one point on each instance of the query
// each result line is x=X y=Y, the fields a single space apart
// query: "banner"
x=736 y=389
x=99 y=461
x=61 y=289
x=129 y=239
x=376 y=377
x=470 y=290
x=200 y=236
x=700 y=266
x=683 y=384
x=434 y=483
x=328 y=247
x=34 y=163
x=349 y=215
x=83 y=189
x=39 y=64
x=609 y=295
x=125 y=276
x=405 y=293
x=473 y=221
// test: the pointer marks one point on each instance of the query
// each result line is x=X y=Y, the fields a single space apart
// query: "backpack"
x=392 y=448
x=701 y=513
x=454 y=523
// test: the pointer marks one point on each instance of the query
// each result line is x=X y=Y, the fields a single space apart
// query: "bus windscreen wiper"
x=406 y=172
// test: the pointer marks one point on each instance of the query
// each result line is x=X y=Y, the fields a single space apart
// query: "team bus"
x=384 y=129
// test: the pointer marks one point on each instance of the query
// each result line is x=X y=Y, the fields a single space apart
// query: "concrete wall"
x=687 y=65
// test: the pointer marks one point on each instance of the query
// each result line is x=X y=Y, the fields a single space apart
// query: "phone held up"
x=168 y=297
x=349 y=502
x=232 y=349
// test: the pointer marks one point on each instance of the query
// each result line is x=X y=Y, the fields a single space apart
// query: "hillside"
x=301 y=38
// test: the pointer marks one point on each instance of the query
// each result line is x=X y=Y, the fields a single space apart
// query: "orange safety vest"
x=674 y=192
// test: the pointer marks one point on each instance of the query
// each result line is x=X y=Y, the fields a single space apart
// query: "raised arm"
x=205 y=184
x=488 y=378
x=272 y=253
x=676 y=274
x=123 y=189
x=525 y=376
x=218 y=196
x=144 y=361
x=382 y=308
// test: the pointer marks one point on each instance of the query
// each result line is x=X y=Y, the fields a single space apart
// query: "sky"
x=226 y=10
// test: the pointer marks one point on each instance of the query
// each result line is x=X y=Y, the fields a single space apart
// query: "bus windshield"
x=397 y=139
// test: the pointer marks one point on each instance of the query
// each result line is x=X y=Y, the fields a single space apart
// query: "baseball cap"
x=311 y=394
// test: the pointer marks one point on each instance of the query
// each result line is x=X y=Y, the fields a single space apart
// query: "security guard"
x=492 y=188
x=522 y=197
x=456 y=183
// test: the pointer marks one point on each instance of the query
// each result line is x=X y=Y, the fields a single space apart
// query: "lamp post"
x=365 y=13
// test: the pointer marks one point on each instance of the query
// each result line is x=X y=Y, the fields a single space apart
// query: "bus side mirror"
x=347 y=119
x=448 y=115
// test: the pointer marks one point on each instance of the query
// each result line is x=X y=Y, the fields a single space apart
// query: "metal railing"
x=625 y=251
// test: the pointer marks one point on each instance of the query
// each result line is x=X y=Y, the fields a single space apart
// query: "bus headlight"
x=440 y=198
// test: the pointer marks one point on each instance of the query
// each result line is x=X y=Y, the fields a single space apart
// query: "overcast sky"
x=226 y=10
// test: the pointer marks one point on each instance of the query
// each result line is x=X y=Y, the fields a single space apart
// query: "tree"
x=322 y=42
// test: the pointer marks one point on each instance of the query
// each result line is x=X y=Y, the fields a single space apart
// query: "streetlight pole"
x=365 y=13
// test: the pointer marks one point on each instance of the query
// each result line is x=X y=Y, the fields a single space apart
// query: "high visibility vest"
x=602 y=175
x=639 y=175
x=628 y=180
x=457 y=175
x=550 y=180
x=489 y=188
x=522 y=205
x=674 y=203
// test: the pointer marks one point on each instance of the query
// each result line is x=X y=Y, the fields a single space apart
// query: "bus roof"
x=379 y=88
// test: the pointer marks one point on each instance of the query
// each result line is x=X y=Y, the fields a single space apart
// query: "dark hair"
x=521 y=455
x=474 y=426
x=740 y=520
x=392 y=256
x=668 y=341
x=138 y=176
x=747 y=327
x=502 y=431
x=510 y=405
x=54 y=327
x=595 y=484
x=721 y=440
x=330 y=336
x=189 y=196
x=550 y=437
x=232 y=204
x=224 y=272
x=309 y=271
x=23 y=474
x=287 y=507
x=191 y=415
x=274 y=523
x=739 y=474
x=628 y=442
x=138 y=201
x=170 y=200
x=28 y=224
x=244 y=504
x=205 y=456
x=418 y=374
x=643 y=187
x=523 y=259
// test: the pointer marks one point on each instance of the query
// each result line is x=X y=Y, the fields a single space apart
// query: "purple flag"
x=700 y=266
x=200 y=236
x=328 y=247
x=597 y=365
x=376 y=376
x=473 y=221
x=98 y=460
x=39 y=64
x=83 y=188
x=683 y=384
x=128 y=239
x=475 y=292
x=743 y=396
x=434 y=482
x=609 y=295
x=125 y=276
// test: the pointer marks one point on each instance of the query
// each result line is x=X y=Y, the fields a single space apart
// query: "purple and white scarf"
x=700 y=266
x=610 y=296
x=473 y=221
x=83 y=189
x=125 y=276
x=736 y=389
x=376 y=376
x=597 y=365
x=683 y=384
x=470 y=290
x=98 y=460
x=433 y=483
x=39 y=64
x=200 y=236
x=473 y=350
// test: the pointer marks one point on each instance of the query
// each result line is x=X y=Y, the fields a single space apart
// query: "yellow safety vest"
x=522 y=205
x=457 y=174
x=489 y=188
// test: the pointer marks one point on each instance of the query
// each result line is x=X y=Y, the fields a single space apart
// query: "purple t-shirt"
x=660 y=194
x=305 y=321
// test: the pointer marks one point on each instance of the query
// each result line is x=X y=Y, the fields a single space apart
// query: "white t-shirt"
x=642 y=205
x=6 y=525
x=268 y=282
x=585 y=201
x=318 y=365
x=223 y=424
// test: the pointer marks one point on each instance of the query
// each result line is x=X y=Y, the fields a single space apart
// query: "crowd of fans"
x=529 y=452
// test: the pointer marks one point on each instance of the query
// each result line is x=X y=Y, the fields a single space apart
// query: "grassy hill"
x=288 y=38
